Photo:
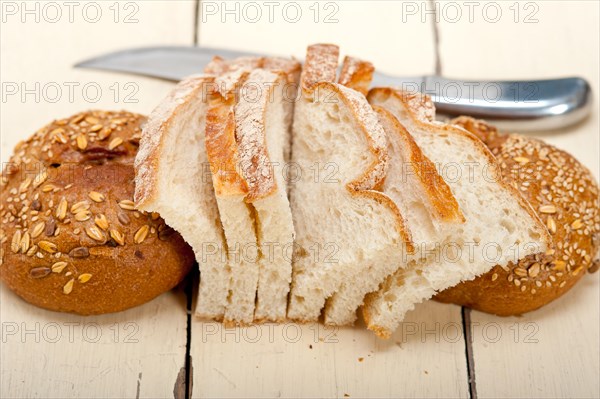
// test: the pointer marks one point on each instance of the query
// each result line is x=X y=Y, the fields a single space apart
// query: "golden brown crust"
x=222 y=150
x=238 y=152
x=71 y=240
x=356 y=74
x=381 y=332
x=220 y=140
x=438 y=192
x=320 y=65
x=565 y=195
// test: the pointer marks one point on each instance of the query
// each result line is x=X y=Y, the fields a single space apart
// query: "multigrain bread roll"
x=71 y=240
x=565 y=195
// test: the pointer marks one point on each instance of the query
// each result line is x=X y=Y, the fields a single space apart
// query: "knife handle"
x=514 y=105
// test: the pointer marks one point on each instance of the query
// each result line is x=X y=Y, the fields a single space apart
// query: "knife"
x=535 y=105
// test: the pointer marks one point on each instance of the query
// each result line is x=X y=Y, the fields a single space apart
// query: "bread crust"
x=220 y=140
x=422 y=111
x=82 y=247
x=565 y=194
x=356 y=74
x=251 y=136
x=439 y=194
x=320 y=65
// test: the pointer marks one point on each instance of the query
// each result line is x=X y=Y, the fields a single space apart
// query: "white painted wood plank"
x=136 y=353
x=422 y=365
x=144 y=359
x=562 y=358
x=424 y=358
x=382 y=32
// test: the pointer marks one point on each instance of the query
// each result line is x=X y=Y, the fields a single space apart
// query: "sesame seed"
x=561 y=285
x=494 y=276
x=84 y=278
x=117 y=236
x=91 y=120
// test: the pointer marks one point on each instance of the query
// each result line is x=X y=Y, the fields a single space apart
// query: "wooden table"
x=553 y=352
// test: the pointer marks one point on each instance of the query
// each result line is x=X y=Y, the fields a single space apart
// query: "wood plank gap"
x=196 y=21
x=466 y=321
x=189 y=375
x=436 y=40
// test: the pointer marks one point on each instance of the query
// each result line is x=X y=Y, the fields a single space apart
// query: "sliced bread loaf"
x=173 y=179
x=490 y=235
x=231 y=190
x=248 y=141
x=343 y=225
x=262 y=131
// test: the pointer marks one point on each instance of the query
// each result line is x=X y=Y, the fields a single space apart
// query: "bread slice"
x=231 y=190
x=490 y=235
x=248 y=145
x=343 y=225
x=173 y=179
x=262 y=131
x=413 y=183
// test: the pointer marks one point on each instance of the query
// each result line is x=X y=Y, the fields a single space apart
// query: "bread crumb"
x=360 y=359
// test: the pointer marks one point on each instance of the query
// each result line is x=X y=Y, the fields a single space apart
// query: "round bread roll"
x=71 y=240
x=565 y=195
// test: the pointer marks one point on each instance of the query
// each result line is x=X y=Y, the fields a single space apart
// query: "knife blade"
x=534 y=105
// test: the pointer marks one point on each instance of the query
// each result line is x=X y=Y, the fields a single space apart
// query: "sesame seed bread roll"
x=565 y=195
x=71 y=240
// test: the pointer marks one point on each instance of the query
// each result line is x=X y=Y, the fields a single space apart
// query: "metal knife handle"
x=514 y=105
